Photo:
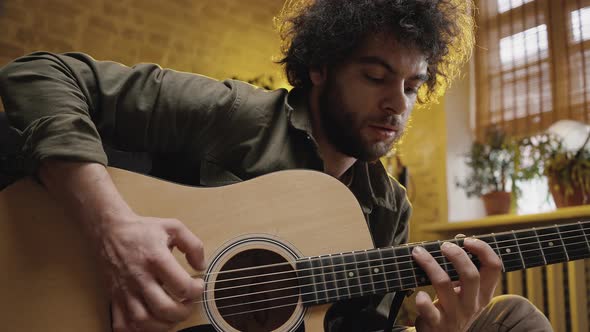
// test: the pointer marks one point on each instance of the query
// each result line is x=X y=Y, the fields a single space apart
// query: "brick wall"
x=219 y=38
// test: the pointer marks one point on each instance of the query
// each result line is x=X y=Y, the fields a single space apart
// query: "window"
x=506 y=5
x=534 y=40
x=581 y=31
x=532 y=64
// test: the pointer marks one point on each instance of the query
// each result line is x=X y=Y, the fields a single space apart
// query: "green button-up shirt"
x=200 y=131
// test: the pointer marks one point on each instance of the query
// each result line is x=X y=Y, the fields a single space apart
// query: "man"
x=357 y=68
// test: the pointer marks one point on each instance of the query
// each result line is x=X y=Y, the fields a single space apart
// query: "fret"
x=328 y=274
x=352 y=275
x=459 y=241
x=419 y=274
x=491 y=241
x=540 y=246
x=340 y=276
x=474 y=259
x=529 y=248
x=494 y=244
x=552 y=245
x=434 y=248
x=563 y=243
x=508 y=249
x=403 y=260
x=318 y=280
x=518 y=248
x=575 y=241
x=585 y=226
x=366 y=280
x=391 y=270
x=306 y=285
x=377 y=270
x=442 y=260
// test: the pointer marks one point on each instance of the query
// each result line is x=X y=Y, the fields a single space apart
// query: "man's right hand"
x=150 y=290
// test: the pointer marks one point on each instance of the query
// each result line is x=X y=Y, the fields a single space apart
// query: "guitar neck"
x=329 y=278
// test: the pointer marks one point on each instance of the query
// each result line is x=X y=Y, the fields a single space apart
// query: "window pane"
x=521 y=93
x=580 y=24
x=579 y=79
x=512 y=52
x=506 y=5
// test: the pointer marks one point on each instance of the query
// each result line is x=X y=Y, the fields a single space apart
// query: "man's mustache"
x=394 y=121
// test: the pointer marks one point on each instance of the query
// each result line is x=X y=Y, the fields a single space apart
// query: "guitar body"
x=50 y=281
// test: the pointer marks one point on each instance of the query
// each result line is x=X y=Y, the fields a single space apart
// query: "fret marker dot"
x=376 y=270
x=422 y=279
x=351 y=274
x=508 y=250
x=470 y=255
x=551 y=244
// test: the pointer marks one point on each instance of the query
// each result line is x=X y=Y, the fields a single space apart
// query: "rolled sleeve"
x=68 y=105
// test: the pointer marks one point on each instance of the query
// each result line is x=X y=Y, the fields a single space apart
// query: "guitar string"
x=288 y=305
x=445 y=265
x=497 y=243
x=424 y=242
x=384 y=280
x=361 y=293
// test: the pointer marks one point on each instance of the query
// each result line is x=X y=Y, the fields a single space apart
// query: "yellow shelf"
x=505 y=221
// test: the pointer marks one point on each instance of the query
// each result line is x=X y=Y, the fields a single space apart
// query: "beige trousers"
x=508 y=313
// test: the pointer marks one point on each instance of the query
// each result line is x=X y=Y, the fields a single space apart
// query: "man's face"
x=366 y=100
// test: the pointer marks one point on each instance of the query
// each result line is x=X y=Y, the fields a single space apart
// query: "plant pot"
x=576 y=197
x=497 y=202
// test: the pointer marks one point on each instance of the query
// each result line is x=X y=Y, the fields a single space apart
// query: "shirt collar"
x=298 y=111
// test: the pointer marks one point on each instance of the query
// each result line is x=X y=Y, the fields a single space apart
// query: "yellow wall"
x=218 y=38
x=424 y=153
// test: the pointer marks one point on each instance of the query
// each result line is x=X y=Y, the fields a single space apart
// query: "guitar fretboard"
x=329 y=278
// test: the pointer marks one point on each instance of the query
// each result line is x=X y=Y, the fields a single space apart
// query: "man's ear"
x=318 y=75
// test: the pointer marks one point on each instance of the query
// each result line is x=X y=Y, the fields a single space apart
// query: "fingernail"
x=448 y=245
x=201 y=284
x=422 y=295
x=471 y=240
x=419 y=250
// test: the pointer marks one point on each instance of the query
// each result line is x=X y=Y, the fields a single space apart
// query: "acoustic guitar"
x=280 y=249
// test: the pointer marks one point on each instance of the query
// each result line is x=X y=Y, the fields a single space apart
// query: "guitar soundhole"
x=256 y=290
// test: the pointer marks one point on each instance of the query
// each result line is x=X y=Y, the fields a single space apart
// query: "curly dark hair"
x=324 y=32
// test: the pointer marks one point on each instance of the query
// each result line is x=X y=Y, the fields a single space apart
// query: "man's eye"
x=411 y=90
x=374 y=78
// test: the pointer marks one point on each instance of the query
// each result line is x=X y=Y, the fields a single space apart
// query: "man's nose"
x=395 y=101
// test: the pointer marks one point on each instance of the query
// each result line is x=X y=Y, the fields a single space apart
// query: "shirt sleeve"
x=67 y=105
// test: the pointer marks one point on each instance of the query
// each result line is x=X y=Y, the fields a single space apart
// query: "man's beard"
x=339 y=127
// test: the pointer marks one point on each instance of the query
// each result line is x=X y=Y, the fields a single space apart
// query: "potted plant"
x=492 y=169
x=568 y=173
x=567 y=169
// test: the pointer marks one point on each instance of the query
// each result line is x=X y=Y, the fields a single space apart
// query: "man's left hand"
x=457 y=306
